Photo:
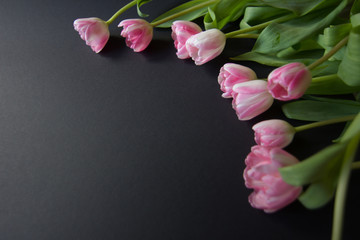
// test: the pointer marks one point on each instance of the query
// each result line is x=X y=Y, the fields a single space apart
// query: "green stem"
x=257 y=27
x=340 y=195
x=324 y=78
x=121 y=10
x=247 y=35
x=181 y=13
x=323 y=123
x=329 y=54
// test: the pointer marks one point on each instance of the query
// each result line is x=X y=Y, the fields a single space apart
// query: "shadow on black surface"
x=114 y=47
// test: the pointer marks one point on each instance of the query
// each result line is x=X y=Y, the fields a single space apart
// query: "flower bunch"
x=314 y=48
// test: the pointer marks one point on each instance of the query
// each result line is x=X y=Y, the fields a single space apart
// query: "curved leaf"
x=260 y=14
x=187 y=17
x=349 y=69
x=278 y=36
x=310 y=110
x=224 y=12
x=139 y=3
x=299 y=7
x=315 y=167
x=330 y=85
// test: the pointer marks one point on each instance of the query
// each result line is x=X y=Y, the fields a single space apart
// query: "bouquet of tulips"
x=314 y=47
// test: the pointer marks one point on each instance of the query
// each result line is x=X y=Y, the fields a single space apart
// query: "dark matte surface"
x=124 y=145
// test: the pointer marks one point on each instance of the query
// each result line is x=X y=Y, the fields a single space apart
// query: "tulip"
x=289 y=81
x=138 y=33
x=181 y=31
x=94 y=31
x=271 y=192
x=251 y=99
x=273 y=133
x=231 y=74
x=205 y=46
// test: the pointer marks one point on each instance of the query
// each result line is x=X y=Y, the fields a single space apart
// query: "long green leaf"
x=275 y=61
x=353 y=129
x=278 y=36
x=260 y=14
x=310 y=110
x=224 y=12
x=349 y=69
x=330 y=85
x=313 y=168
x=299 y=7
x=318 y=194
x=332 y=35
x=187 y=17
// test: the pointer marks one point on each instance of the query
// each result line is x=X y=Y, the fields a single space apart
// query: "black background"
x=124 y=145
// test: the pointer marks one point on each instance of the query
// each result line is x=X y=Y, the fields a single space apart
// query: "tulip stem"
x=323 y=123
x=181 y=13
x=341 y=190
x=257 y=27
x=247 y=35
x=329 y=54
x=121 y=10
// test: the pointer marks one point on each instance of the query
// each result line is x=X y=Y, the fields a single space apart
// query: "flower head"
x=251 y=98
x=206 y=45
x=231 y=74
x=138 y=33
x=273 y=133
x=94 y=31
x=181 y=31
x=271 y=192
x=289 y=81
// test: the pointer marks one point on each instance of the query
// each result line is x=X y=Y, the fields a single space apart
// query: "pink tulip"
x=205 y=46
x=271 y=192
x=289 y=81
x=138 y=33
x=251 y=99
x=181 y=31
x=273 y=133
x=231 y=74
x=94 y=31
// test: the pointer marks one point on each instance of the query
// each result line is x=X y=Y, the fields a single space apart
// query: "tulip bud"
x=205 y=46
x=138 y=33
x=273 y=133
x=181 y=31
x=94 y=31
x=289 y=81
x=271 y=192
x=231 y=74
x=251 y=99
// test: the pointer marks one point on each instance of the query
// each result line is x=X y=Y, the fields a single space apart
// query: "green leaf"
x=299 y=7
x=318 y=194
x=330 y=85
x=349 y=69
x=355 y=7
x=260 y=14
x=332 y=35
x=353 y=129
x=315 y=167
x=326 y=68
x=139 y=3
x=187 y=17
x=332 y=100
x=224 y=12
x=311 y=110
x=305 y=57
x=279 y=36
